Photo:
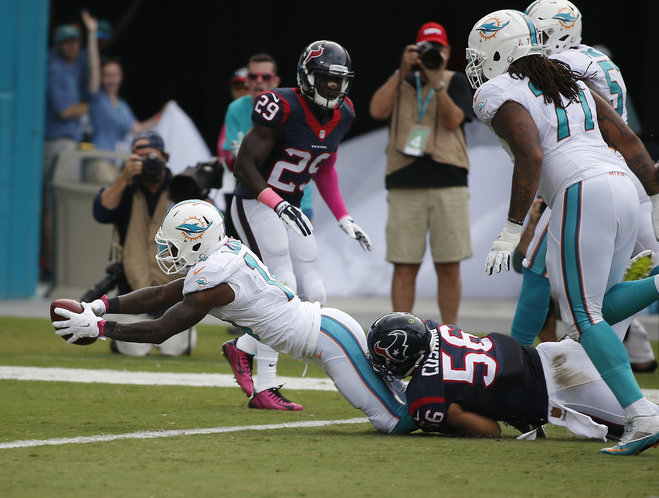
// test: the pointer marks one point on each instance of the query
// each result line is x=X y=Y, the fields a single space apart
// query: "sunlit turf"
x=338 y=460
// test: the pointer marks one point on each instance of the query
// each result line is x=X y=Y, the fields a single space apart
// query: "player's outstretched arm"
x=181 y=316
x=148 y=299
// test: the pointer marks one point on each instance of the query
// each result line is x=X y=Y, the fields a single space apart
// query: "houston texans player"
x=225 y=279
x=293 y=139
x=560 y=24
x=463 y=384
x=558 y=134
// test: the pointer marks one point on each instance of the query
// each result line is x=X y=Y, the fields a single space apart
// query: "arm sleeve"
x=117 y=215
x=205 y=275
x=60 y=93
x=327 y=181
x=492 y=95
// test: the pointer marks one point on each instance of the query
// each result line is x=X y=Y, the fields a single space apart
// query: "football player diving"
x=225 y=279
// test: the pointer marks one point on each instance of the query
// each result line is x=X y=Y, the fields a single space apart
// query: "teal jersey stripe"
x=353 y=351
x=570 y=257
x=537 y=260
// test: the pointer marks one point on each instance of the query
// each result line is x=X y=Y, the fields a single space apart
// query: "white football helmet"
x=190 y=230
x=498 y=40
x=560 y=23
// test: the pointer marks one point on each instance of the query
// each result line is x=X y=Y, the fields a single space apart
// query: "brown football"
x=71 y=305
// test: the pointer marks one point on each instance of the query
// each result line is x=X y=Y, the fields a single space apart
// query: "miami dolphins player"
x=558 y=134
x=560 y=25
x=227 y=280
x=293 y=140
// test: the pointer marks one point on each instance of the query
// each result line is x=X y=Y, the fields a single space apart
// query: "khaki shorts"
x=442 y=211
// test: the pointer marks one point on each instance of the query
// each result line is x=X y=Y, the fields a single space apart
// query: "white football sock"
x=247 y=344
x=266 y=364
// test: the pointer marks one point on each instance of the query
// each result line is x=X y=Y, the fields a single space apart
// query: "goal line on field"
x=150 y=378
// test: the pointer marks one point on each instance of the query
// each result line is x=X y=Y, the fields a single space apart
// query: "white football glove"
x=98 y=306
x=655 y=214
x=503 y=247
x=85 y=324
x=354 y=231
x=294 y=217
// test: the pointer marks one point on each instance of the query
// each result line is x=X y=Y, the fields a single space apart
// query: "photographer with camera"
x=427 y=166
x=136 y=203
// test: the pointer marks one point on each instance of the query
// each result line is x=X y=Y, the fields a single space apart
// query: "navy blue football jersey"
x=302 y=144
x=494 y=376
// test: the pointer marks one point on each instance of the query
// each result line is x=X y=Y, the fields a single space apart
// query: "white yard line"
x=85 y=375
x=150 y=378
x=174 y=433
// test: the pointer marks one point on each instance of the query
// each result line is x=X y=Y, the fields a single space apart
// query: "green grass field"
x=336 y=460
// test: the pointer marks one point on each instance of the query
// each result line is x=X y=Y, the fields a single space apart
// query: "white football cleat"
x=640 y=434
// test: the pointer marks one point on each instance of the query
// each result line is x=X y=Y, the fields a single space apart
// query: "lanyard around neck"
x=422 y=106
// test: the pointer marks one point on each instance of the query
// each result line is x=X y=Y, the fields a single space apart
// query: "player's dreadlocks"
x=551 y=77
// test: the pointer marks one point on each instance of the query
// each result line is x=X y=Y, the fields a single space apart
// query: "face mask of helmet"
x=496 y=41
x=325 y=59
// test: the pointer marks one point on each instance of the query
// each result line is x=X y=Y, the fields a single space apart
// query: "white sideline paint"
x=149 y=378
x=174 y=433
x=172 y=379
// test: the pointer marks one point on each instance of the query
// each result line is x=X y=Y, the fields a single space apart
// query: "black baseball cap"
x=154 y=138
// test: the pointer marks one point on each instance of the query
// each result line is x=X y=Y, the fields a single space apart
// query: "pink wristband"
x=101 y=328
x=104 y=298
x=269 y=197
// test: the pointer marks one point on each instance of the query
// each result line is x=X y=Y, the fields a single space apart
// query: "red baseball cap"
x=239 y=76
x=432 y=32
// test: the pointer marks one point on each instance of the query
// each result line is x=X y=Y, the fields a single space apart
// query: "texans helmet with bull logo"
x=398 y=343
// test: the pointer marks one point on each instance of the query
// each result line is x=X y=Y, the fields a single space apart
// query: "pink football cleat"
x=271 y=399
x=241 y=364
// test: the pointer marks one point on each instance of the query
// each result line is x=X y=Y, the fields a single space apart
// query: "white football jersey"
x=607 y=78
x=572 y=144
x=600 y=71
x=263 y=307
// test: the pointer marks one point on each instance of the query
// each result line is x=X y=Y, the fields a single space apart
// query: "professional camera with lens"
x=196 y=181
x=115 y=277
x=152 y=169
x=430 y=54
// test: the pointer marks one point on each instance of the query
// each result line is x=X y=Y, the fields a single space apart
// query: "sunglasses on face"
x=263 y=76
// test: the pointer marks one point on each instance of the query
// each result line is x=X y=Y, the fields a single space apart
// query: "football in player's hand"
x=74 y=306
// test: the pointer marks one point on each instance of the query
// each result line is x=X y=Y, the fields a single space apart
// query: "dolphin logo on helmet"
x=193 y=228
x=567 y=19
x=490 y=28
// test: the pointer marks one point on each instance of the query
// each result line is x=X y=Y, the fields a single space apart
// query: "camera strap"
x=422 y=106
